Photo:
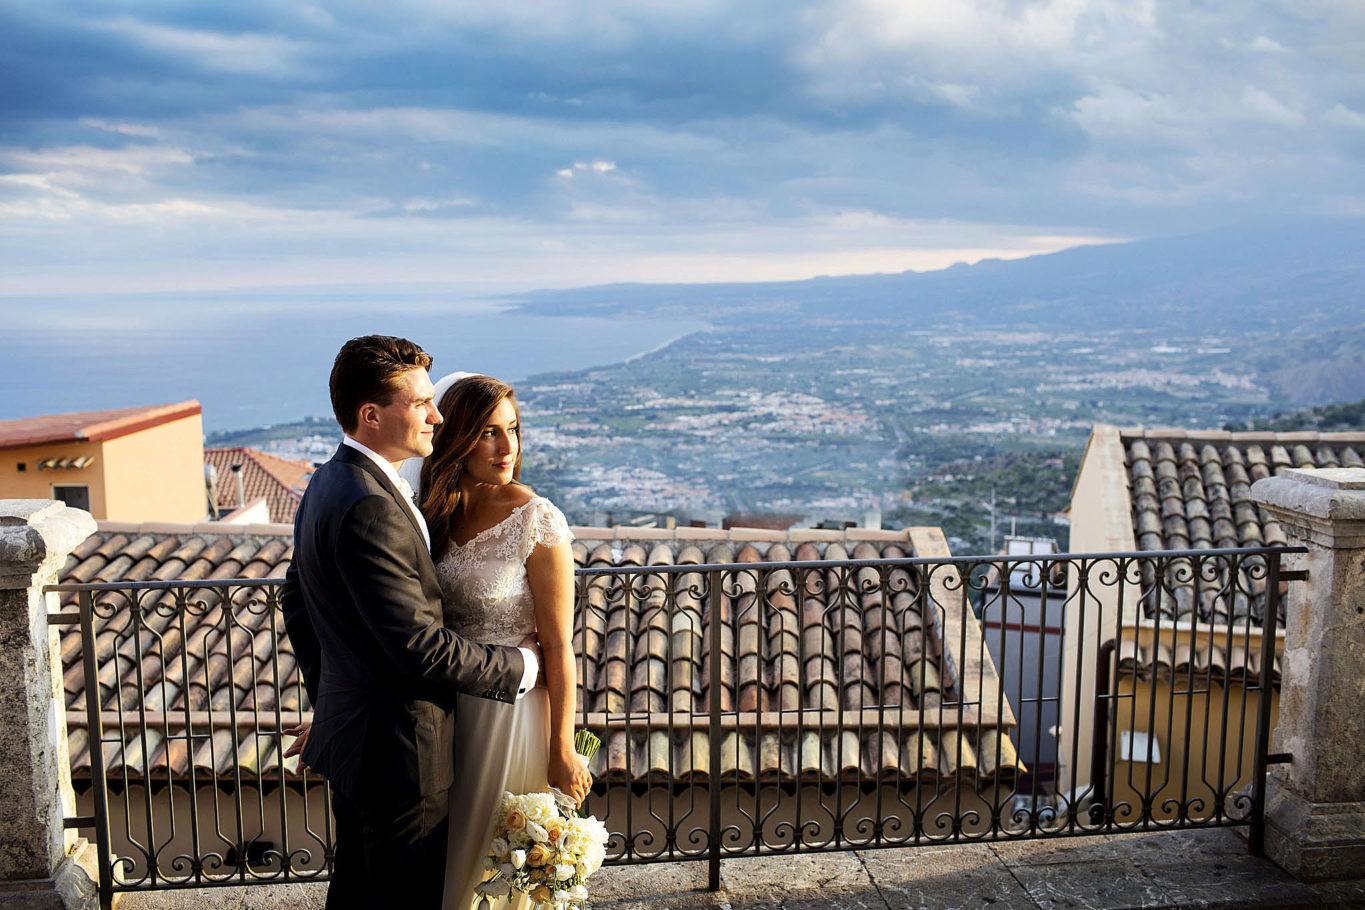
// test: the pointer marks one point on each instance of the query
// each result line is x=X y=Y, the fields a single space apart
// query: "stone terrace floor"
x=1171 y=869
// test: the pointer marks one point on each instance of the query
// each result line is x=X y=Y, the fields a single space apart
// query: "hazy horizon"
x=215 y=147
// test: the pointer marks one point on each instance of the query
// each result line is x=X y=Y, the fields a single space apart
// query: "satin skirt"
x=497 y=747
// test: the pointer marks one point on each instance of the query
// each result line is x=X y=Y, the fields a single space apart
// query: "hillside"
x=1303 y=278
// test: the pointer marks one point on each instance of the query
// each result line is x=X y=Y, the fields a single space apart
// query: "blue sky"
x=150 y=145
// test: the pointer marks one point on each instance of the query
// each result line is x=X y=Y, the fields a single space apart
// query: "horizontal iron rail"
x=1055 y=558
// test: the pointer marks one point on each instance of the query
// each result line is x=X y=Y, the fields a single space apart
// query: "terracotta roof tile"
x=1193 y=490
x=805 y=641
x=280 y=481
x=90 y=425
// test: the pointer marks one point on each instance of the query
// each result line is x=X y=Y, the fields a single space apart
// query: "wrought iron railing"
x=745 y=708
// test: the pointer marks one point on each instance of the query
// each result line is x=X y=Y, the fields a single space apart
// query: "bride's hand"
x=568 y=773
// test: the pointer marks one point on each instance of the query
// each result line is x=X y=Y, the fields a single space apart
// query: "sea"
x=255 y=359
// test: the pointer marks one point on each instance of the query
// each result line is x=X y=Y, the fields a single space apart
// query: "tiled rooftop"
x=87 y=426
x=645 y=671
x=1191 y=490
x=281 y=481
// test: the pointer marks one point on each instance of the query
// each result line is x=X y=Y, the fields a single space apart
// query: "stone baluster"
x=42 y=864
x=1315 y=805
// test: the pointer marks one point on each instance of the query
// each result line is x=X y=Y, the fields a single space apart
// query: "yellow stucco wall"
x=34 y=484
x=1206 y=733
x=1101 y=522
x=157 y=474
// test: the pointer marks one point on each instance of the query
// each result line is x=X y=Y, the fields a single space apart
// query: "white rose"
x=579 y=892
x=518 y=858
x=562 y=897
x=564 y=871
x=499 y=847
x=537 y=832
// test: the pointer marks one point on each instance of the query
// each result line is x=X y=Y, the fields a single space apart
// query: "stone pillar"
x=42 y=865
x=1315 y=805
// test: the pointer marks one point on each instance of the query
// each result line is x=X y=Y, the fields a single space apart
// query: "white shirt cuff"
x=531 y=671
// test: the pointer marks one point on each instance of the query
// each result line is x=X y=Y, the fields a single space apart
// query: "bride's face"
x=495 y=454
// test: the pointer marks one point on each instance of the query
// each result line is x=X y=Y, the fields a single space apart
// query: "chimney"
x=241 y=485
x=211 y=489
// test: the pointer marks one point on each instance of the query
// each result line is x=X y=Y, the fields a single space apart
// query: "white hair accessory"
x=411 y=471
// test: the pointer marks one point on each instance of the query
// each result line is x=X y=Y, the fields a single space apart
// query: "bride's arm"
x=549 y=570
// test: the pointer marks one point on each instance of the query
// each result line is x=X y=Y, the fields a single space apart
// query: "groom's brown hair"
x=368 y=370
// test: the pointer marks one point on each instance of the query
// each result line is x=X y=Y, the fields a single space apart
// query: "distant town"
x=977 y=432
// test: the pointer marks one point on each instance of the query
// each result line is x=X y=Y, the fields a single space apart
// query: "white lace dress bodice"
x=483 y=583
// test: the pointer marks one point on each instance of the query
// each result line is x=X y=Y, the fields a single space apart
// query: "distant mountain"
x=1324 y=367
x=1307 y=277
x=1328 y=418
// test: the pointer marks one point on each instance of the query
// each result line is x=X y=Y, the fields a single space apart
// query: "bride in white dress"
x=506 y=570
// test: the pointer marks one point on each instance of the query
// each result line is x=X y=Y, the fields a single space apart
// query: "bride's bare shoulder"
x=516 y=495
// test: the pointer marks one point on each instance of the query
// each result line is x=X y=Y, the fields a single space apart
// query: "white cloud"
x=1263 y=45
x=83 y=169
x=586 y=167
x=1341 y=115
x=580 y=168
x=125 y=129
x=132 y=159
x=1264 y=107
x=435 y=205
x=246 y=53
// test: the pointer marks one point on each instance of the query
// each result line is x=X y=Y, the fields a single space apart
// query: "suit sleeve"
x=301 y=633
x=376 y=559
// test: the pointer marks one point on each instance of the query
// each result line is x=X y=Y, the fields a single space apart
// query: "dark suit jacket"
x=362 y=607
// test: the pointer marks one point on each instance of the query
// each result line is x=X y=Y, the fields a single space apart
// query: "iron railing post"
x=713 y=707
x=1269 y=620
x=1099 y=745
x=99 y=785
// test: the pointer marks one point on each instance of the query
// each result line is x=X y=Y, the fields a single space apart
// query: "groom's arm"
x=376 y=559
x=300 y=630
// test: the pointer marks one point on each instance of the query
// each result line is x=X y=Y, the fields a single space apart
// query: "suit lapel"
x=348 y=455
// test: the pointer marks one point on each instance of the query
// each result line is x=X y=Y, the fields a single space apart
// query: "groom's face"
x=403 y=427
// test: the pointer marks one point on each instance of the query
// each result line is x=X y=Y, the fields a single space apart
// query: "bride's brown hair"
x=467 y=406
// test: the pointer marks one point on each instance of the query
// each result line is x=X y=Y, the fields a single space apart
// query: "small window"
x=23 y=466
x=75 y=495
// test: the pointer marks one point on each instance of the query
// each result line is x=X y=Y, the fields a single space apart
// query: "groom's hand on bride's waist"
x=531 y=644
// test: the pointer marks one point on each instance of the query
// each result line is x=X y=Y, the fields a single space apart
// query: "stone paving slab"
x=942 y=878
x=1204 y=869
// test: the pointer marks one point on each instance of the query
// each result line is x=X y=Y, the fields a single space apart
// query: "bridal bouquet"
x=543 y=847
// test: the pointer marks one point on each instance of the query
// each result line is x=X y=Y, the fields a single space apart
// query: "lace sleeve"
x=548 y=526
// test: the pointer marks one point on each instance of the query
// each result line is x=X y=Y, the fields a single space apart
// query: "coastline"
x=706 y=327
x=272 y=369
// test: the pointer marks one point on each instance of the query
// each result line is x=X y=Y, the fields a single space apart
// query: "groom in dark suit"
x=362 y=607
